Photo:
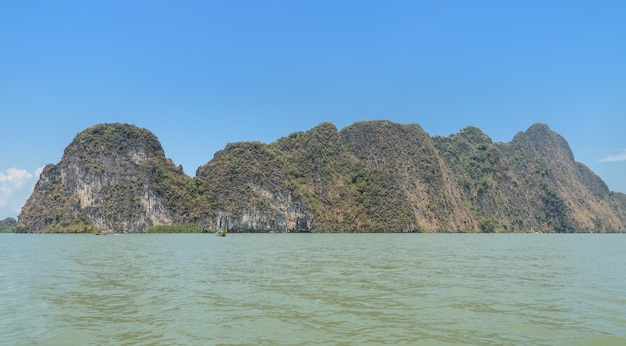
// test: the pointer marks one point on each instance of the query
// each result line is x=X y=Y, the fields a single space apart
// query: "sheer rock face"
x=374 y=176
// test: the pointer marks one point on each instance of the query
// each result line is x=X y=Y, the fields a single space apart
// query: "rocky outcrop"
x=565 y=196
x=250 y=192
x=108 y=180
x=374 y=176
x=413 y=175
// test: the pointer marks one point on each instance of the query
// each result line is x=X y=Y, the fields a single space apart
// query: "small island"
x=8 y=225
x=371 y=176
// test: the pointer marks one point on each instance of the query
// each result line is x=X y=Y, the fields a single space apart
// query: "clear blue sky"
x=201 y=74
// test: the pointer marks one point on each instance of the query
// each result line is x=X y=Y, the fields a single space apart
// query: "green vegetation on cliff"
x=185 y=228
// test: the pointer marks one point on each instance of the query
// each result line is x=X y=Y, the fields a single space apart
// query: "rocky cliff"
x=374 y=176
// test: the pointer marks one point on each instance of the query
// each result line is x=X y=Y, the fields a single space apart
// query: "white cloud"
x=621 y=156
x=15 y=176
x=15 y=188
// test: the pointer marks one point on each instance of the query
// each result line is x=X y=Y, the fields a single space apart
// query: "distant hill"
x=373 y=176
x=8 y=225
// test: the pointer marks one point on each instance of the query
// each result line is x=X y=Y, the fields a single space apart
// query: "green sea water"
x=313 y=289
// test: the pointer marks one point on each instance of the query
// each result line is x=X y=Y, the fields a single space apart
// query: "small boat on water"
x=220 y=232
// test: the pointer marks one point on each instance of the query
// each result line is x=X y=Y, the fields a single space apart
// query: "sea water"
x=313 y=289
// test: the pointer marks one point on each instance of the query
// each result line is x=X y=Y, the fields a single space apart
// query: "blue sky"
x=201 y=74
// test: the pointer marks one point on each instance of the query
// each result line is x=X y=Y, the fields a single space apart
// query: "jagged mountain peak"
x=474 y=135
x=549 y=142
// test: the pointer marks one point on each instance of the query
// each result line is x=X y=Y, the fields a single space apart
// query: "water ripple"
x=340 y=289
